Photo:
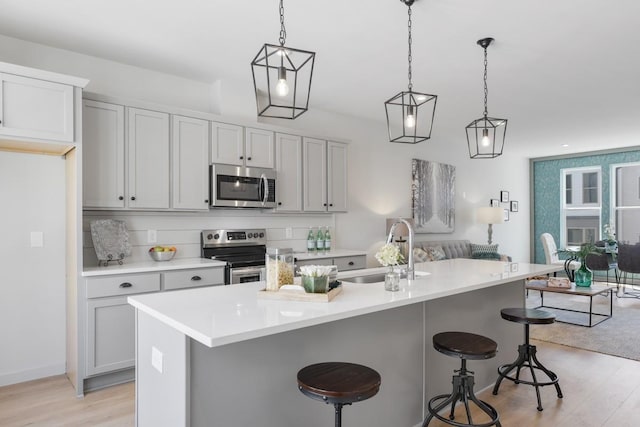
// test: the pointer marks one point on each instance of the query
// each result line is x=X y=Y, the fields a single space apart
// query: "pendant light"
x=409 y=113
x=485 y=136
x=282 y=78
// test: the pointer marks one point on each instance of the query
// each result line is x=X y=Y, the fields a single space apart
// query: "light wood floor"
x=599 y=390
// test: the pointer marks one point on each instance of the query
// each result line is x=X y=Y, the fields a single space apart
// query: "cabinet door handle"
x=121 y=198
x=206 y=201
x=125 y=285
x=196 y=278
x=350 y=262
x=279 y=203
x=241 y=157
x=248 y=158
x=133 y=197
x=330 y=204
x=324 y=204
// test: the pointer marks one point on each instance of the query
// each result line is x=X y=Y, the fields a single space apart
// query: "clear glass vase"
x=392 y=280
x=583 y=276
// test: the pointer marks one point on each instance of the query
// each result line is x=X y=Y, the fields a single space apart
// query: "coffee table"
x=589 y=292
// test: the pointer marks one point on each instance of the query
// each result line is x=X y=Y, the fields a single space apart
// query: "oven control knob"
x=216 y=236
x=261 y=235
x=209 y=236
x=249 y=235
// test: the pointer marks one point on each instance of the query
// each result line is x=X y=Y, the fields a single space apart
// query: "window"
x=581 y=210
x=626 y=201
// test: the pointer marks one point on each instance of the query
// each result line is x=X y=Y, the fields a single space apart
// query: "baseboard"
x=31 y=374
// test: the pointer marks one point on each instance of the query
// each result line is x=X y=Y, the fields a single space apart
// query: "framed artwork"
x=494 y=203
x=514 y=206
x=504 y=196
x=506 y=215
x=433 y=196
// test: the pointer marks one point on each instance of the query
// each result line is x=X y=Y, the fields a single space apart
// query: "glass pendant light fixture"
x=282 y=78
x=485 y=136
x=409 y=113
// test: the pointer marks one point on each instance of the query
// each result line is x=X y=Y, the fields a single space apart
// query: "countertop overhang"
x=220 y=315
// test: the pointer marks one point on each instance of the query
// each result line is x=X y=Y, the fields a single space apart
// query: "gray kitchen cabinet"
x=103 y=155
x=125 y=165
x=36 y=109
x=324 y=175
x=288 y=165
x=235 y=145
x=148 y=159
x=190 y=163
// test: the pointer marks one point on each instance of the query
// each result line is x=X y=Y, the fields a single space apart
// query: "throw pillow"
x=436 y=253
x=481 y=250
x=419 y=255
x=486 y=255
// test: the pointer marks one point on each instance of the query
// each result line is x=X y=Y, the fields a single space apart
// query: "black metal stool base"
x=462 y=392
x=527 y=359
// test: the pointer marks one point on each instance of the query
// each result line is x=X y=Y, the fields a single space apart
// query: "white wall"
x=379 y=178
x=32 y=279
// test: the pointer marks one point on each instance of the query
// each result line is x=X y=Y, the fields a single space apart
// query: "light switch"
x=37 y=239
x=156 y=359
x=288 y=233
x=152 y=236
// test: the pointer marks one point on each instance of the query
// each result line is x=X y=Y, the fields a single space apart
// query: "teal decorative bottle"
x=311 y=241
x=583 y=275
x=320 y=241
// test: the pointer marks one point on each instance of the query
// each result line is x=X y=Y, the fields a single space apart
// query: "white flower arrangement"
x=389 y=255
x=609 y=232
x=315 y=270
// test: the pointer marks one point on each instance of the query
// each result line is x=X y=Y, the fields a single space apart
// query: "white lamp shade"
x=401 y=229
x=488 y=215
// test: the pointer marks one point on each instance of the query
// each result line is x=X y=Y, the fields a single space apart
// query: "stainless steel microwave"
x=241 y=187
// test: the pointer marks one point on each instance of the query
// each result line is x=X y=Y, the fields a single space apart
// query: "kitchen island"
x=223 y=357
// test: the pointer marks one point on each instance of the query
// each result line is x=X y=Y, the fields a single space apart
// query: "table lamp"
x=488 y=215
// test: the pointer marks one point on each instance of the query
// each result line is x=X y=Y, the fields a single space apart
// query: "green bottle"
x=311 y=241
x=320 y=240
x=327 y=240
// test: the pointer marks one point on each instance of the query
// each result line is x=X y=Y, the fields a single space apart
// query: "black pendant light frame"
x=420 y=106
x=486 y=135
x=275 y=62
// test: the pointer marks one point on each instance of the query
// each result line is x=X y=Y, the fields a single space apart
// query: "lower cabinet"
x=110 y=320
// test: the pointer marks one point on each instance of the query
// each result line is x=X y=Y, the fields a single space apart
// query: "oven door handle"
x=264 y=183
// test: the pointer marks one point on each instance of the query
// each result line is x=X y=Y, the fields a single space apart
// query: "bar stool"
x=526 y=352
x=466 y=346
x=338 y=383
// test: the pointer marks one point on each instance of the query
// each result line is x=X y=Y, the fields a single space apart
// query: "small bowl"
x=161 y=256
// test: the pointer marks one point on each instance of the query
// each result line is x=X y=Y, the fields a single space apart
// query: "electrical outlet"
x=152 y=236
x=37 y=239
x=156 y=359
x=288 y=232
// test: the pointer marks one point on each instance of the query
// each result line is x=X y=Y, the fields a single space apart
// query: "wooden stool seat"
x=527 y=357
x=465 y=345
x=338 y=383
x=530 y=316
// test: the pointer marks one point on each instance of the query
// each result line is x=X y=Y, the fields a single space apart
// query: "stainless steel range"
x=242 y=250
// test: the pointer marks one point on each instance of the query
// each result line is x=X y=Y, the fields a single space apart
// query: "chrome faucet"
x=411 y=275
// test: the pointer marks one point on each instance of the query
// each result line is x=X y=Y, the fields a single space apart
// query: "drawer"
x=351 y=262
x=180 y=279
x=122 y=285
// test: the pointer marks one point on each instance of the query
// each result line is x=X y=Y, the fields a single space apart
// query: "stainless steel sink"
x=369 y=278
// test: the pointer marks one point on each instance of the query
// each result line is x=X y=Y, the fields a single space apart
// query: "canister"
x=279 y=268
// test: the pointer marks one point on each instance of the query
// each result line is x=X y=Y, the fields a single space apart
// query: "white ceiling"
x=562 y=72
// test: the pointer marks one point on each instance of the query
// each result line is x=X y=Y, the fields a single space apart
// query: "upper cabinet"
x=235 y=145
x=289 y=173
x=190 y=163
x=140 y=182
x=148 y=159
x=103 y=155
x=324 y=176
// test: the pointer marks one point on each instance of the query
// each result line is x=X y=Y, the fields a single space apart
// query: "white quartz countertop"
x=221 y=315
x=151 y=266
x=334 y=253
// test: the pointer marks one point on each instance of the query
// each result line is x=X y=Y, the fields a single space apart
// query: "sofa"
x=436 y=250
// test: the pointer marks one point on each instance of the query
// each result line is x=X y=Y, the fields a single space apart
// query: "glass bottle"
x=327 y=240
x=320 y=241
x=311 y=241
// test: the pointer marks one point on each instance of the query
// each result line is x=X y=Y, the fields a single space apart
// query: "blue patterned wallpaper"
x=546 y=191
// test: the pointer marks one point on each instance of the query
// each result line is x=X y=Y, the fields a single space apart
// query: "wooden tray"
x=287 y=295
